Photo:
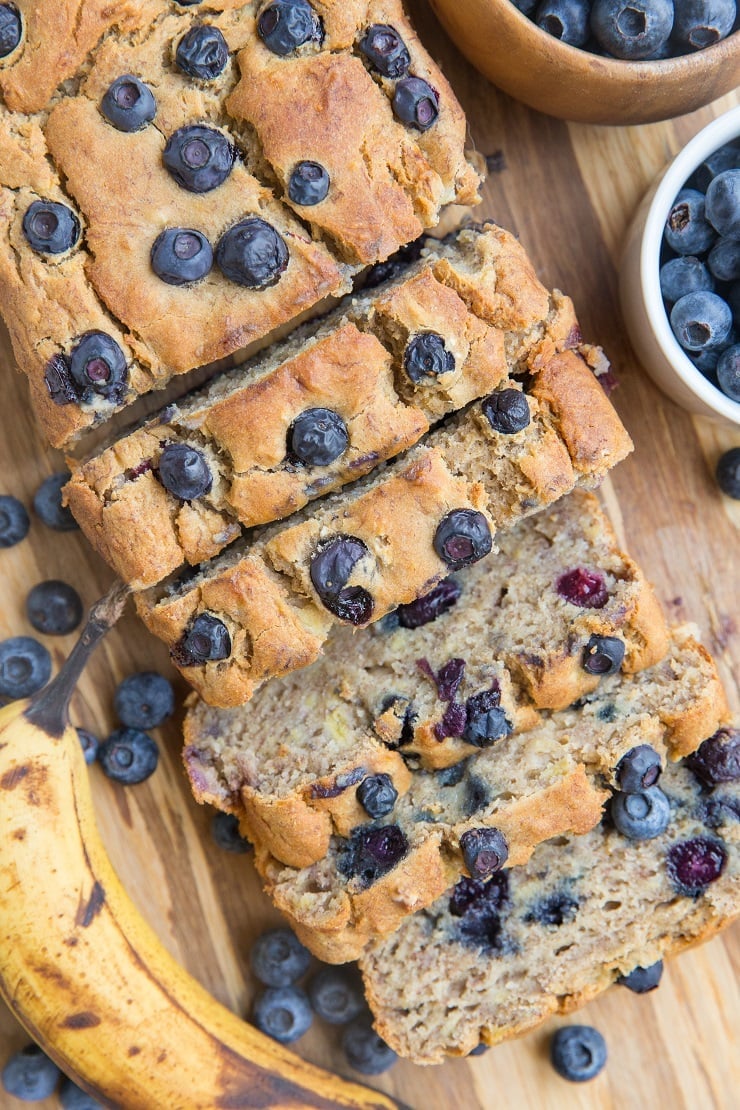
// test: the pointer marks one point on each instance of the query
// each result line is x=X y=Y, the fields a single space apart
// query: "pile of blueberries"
x=634 y=30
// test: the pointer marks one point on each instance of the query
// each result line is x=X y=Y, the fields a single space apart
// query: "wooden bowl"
x=516 y=56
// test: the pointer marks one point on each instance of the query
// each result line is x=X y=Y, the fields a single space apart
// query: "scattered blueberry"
x=728 y=371
x=50 y=228
x=48 y=506
x=631 y=29
x=98 y=366
x=25 y=667
x=309 y=184
x=717 y=759
x=638 y=769
x=507 y=411
x=89 y=743
x=724 y=260
x=603 y=655
x=283 y=1013
x=366 y=1052
x=728 y=473
x=30 y=1075
x=687 y=230
x=385 y=50
x=284 y=25
x=416 y=103
x=642 y=979
x=11 y=29
x=682 y=275
x=129 y=104
x=371 y=853
x=578 y=1052
x=693 y=864
x=486 y=721
x=202 y=53
x=181 y=255
x=336 y=994
x=206 y=641
x=331 y=567
x=225 y=832
x=484 y=851
x=128 y=756
x=198 y=158
x=427 y=357
x=642 y=815
x=700 y=23
x=584 y=588
x=144 y=700
x=72 y=1097
x=462 y=537
x=184 y=472
x=555 y=910
x=279 y=959
x=54 y=608
x=318 y=437
x=377 y=795
x=251 y=253
x=14 y=521
x=432 y=605
x=567 y=20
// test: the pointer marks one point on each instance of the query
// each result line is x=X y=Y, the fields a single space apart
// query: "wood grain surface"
x=568 y=191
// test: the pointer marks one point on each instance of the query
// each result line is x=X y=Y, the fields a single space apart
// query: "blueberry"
x=377 y=795
x=687 y=230
x=631 y=29
x=128 y=756
x=11 y=29
x=642 y=815
x=480 y=1049
x=723 y=203
x=225 y=832
x=603 y=655
x=47 y=503
x=14 y=521
x=584 y=588
x=700 y=23
x=184 y=472
x=526 y=7
x=336 y=995
x=206 y=640
x=724 y=259
x=366 y=1052
x=717 y=759
x=566 y=20
x=642 y=979
x=484 y=851
x=693 y=864
x=129 y=104
x=427 y=357
x=54 y=608
x=728 y=473
x=726 y=158
x=507 y=411
x=89 y=743
x=284 y=25
x=706 y=361
x=700 y=321
x=554 y=910
x=578 y=1052
x=331 y=567
x=385 y=50
x=50 y=228
x=283 y=1013
x=432 y=605
x=318 y=437
x=279 y=959
x=202 y=53
x=251 y=253
x=25 y=666
x=638 y=769
x=72 y=1097
x=30 y=1075
x=371 y=853
x=309 y=184
x=181 y=255
x=416 y=103
x=486 y=721
x=198 y=158
x=144 y=700
x=682 y=275
x=395 y=265
x=728 y=371
x=470 y=895
x=462 y=537
x=98 y=367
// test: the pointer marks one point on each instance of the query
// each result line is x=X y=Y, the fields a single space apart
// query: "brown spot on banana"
x=14 y=777
x=83 y=1020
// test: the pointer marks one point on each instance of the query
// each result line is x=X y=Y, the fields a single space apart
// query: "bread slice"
x=486 y=962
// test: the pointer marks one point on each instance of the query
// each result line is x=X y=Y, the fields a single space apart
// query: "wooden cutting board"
x=568 y=191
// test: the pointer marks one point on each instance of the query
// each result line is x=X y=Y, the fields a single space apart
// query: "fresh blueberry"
x=432 y=605
x=578 y=1052
x=98 y=367
x=462 y=537
x=89 y=743
x=700 y=321
x=507 y=411
x=642 y=979
x=385 y=50
x=72 y=1097
x=202 y=53
x=331 y=567
x=603 y=655
x=416 y=103
x=717 y=760
x=526 y=7
x=336 y=994
x=728 y=371
x=30 y=1075
x=225 y=832
x=724 y=259
x=371 y=853
x=11 y=29
x=181 y=255
x=318 y=437
x=14 y=521
x=184 y=472
x=554 y=910
x=728 y=473
x=727 y=157
x=682 y=275
x=54 y=608
x=47 y=503
x=144 y=700
x=129 y=104
x=631 y=29
x=638 y=769
x=427 y=357
x=207 y=640
x=284 y=25
x=687 y=230
x=700 y=23
x=283 y=1013
x=128 y=756
x=706 y=361
x=484 y=851
x=309 y=184
x=279 y=959
x=366 y=1052
x=251 y=253
x=566 y=20
x=486 y=721
x=642 y=815
x=198 y=158
x=693 y=864
x=584 y=588
x=723 y=203
x=50 y=227
x=25 y=666
x=377 y=795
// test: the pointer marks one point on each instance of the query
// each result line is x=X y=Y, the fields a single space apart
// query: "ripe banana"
x=81 y=969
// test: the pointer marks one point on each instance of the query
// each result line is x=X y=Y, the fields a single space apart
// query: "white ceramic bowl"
x=639 y=285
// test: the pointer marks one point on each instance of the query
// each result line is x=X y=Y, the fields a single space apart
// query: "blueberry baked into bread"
x=491 y=959
x=178 y=181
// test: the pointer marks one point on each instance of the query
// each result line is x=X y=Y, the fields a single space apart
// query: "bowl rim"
x=720 y=131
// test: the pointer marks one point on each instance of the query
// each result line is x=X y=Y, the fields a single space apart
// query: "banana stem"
x=49 y=708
